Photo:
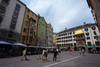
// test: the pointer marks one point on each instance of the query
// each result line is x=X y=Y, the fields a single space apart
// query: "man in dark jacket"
x=55 y=55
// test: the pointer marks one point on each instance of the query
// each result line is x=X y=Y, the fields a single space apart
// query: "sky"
x=62 y=13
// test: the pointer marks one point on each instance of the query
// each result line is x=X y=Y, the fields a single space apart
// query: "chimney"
x=65 y=28
x=84 y=23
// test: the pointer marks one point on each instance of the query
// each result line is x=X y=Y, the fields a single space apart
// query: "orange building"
x=29 y=28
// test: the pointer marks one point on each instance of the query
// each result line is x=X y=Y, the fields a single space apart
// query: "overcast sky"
x=62 y=13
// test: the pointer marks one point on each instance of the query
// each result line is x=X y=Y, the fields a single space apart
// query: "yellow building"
x=54 y=39
x=29 y=28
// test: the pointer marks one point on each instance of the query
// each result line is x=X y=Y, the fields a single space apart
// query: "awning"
x=89 y=47
x=19 y=44
x=5 y=43
x=97 y=46
x=78 y=32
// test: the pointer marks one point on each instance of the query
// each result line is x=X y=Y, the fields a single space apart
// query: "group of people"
x=42 y=56
x=81 y=51
x=45 y=54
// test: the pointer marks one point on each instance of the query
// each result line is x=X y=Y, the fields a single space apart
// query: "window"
x=6 y=1
x=0 y=19
x=35 y=16
x=97 y=42
x=87 y=34
x=10 y=34
x=15 y=15
x=2 y=9
x=17 y=7
x=95 y=37
x=27 y=16
x=26 y=22
x=86 y=29
x=23 y=38
x=30 y=40
x=32 y=14
x=88 y=38
x=13 y=24
x=89 y=43
x=93 y=28
x=95 y=33
x=73 y=32
x=28 y=11
x=31 y=31
x=32 y=24
x=24 y=30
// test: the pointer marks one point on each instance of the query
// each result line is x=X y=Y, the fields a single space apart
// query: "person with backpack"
x=55 y=54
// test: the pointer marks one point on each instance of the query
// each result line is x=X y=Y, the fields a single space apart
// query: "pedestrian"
x=24 y=55
x=39 y=54
x=55 y=55
x=45 y=55
x=70 y=51
x=80 y=51
x=83 y=51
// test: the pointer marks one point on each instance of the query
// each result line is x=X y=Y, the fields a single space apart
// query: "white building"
x=11 y=18
x=80 y=36
x=49 y=35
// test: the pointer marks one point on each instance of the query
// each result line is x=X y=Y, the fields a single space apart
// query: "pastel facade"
x=29 y=28
x=49 y=35
x=41 y=31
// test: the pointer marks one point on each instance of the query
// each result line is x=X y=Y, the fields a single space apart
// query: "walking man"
x=83 y=51
x=24 y=55
x=55 y=55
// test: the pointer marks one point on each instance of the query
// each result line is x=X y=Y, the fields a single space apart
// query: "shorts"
x=24 y=55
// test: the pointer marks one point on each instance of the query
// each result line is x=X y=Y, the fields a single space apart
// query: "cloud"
x=62 y=13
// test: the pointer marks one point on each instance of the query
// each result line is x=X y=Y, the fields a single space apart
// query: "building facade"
x=29 y=28
x=49 y=35
x=41 y=31
x=78 y=37
x=95 y=10
x=11 y=17
x=54 y=39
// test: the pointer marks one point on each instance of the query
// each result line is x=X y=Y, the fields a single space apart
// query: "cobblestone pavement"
x=64 y=59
